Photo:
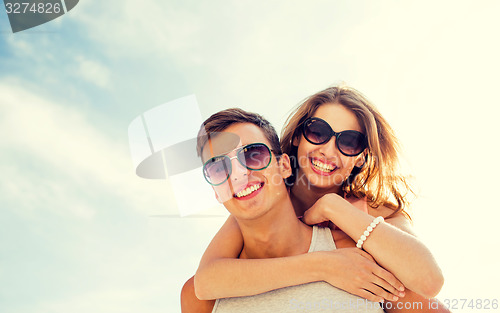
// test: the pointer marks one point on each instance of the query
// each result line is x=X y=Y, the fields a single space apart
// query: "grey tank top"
x=311 y=297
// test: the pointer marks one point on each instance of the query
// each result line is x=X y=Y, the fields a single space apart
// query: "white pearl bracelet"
x=368 y=230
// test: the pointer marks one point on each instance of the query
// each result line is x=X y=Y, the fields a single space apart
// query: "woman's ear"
x=361 y=160
x=285 y=167
x=295 y=141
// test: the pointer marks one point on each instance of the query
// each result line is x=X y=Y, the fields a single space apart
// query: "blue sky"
x=80 y=232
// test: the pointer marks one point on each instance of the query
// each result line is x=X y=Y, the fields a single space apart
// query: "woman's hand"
x=391 y=244
x=355 y=271
x=321 y=210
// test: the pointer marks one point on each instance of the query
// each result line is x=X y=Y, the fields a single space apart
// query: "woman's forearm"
x=397 y=251
x=221 y=274
x=227 y=277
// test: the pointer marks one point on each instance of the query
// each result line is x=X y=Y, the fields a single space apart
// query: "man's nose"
x=239 y=172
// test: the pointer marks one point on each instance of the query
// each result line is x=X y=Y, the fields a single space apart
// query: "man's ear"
x=285 y=166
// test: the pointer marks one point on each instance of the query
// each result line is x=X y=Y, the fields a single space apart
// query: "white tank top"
x=311 y=297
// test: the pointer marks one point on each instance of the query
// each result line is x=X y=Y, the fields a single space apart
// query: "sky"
x=81 y=232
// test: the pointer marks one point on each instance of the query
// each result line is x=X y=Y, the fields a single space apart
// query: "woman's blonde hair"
x=378 y=179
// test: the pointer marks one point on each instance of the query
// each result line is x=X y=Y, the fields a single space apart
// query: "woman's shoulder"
x=386 y=211
x=363 y=204
x=399 y=219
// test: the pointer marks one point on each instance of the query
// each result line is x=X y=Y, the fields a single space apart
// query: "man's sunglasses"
x=255 y=157
x=318 y=132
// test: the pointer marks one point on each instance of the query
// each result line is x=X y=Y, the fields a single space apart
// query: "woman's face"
x=324 y=166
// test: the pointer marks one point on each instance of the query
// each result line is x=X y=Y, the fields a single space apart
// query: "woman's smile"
x=322 y=167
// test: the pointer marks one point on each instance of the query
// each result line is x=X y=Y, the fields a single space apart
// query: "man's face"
x=248 y=194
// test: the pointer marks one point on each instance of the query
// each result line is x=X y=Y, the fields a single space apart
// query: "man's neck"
x=278 y=233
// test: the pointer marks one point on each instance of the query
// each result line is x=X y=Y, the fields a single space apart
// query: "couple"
x=336 y=163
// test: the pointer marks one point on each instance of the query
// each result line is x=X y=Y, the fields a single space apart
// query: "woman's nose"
x=329 y=148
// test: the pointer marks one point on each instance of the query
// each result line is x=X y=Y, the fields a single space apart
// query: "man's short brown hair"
x=221 y=120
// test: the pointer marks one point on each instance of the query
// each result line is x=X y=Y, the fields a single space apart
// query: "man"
x=243 y=162
x=260 y=204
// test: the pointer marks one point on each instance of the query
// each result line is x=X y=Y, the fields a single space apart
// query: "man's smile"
x=250 y=191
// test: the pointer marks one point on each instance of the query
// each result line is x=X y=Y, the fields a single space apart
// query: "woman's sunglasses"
x=318 y=132
x=255 y=157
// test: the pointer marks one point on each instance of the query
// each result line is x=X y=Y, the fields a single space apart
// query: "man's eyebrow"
x=226 y=153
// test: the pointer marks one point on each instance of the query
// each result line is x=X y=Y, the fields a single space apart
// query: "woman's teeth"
x=249 y=190
x=322 y=166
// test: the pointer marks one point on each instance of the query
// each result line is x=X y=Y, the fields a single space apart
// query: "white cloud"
x=22 y=46
x=93 y=72
x=87 y=214
x=419 y=62
x=156 y=27
x=54 y=156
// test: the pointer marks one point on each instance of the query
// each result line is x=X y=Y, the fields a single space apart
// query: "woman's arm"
x=398 y=251
x=221 y=275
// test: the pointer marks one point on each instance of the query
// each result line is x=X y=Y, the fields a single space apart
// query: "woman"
x=345 y=157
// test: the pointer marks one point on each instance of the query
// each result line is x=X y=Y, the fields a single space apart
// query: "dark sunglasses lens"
x=317 y=131
x=255 y=156
x=217 y=169
x=351 y=142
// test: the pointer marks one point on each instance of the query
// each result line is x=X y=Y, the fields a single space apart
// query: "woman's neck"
x=304 y=195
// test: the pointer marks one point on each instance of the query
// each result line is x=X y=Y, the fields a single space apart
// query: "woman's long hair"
x=378 y=179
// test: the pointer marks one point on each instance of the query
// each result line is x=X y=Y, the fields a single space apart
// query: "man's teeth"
x=249 y=190
x=322 y=166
